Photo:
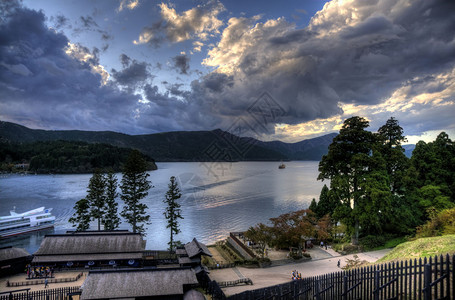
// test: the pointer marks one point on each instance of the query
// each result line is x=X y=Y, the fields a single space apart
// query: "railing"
x=49 y=294
x=242 y=245
x=426 y=279
x=235 y=282
x=42 y=281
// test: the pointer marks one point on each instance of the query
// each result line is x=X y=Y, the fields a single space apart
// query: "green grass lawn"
x=423 y=247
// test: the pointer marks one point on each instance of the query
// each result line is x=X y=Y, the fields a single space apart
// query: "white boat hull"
x=33 y=220
x=18 y=231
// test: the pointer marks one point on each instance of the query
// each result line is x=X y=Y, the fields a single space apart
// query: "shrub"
x=442 y=223
x=349 y=248
x=373 y=241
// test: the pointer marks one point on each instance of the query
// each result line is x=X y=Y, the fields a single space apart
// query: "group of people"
x=323 y=244
x=39 y=272
x=296 y=275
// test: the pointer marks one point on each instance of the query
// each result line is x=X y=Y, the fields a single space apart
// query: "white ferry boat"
x=29 y=221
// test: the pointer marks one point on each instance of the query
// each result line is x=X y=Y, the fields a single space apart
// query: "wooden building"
x=191 y=253
x=13 y=260
x=91 y=249
x=170 y=283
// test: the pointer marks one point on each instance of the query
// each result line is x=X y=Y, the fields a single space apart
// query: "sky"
x=274 y=70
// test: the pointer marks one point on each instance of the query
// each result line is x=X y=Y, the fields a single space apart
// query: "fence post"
x=317 y=295
x=377 y=275
x=427 y=280
x=345 y=287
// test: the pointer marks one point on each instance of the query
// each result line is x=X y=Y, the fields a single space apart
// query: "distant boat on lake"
x=33 y=220
x=281 y=166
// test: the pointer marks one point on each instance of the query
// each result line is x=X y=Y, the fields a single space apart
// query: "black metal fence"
x=426 y=279
x=49 y=294
x=42 y=281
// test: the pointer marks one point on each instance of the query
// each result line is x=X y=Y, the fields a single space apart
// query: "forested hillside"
x=215 y=145
x=63 y=157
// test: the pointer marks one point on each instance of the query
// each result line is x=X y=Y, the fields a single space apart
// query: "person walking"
x=338 y=263
x=46 y=282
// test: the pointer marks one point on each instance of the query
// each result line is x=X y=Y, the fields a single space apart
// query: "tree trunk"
x=355 y=236
x=171 y=246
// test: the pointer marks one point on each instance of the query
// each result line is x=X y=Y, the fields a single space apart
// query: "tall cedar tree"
x=391 y=137
x=81 y=219
x=111 y=220
x=346 y=164
x=404 y=214
x=96 y=196
x=135 y=186
x=173 y=211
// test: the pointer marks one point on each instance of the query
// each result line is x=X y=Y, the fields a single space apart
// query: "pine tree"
x=111 y=219
x=313 y=206
x=173 y=211
x=96 y=196
x=135 y=186
x=81 y=219
x=326 y=205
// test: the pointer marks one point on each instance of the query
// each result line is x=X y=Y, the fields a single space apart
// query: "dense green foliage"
x=432 y=175
x=173 y=212
x=135 y=186
x=65 y=157
x=375 y=190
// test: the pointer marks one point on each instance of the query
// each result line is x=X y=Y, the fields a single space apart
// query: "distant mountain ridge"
x=215 y=145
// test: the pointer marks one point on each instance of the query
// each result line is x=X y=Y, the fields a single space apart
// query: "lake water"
x=217 y=198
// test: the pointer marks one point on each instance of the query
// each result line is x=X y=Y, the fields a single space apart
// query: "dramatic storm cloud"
x=174 y=67
x=40 y=84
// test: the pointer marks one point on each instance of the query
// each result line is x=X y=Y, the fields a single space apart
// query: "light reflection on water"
x=217 y=197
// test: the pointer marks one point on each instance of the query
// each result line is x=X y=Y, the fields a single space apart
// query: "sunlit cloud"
x=83 y=54
x=127 y=4
x=196 y=23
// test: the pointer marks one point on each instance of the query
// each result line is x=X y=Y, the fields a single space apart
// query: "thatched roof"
x=90 y=243
x=12 y=253
x=87 y=257
x=90 y=246
x=180 y=252
x=194 y=248
x=136 y=283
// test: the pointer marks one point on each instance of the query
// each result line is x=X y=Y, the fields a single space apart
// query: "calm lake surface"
x=216 y=198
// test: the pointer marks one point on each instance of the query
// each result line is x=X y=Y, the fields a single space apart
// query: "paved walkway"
x=264 y=277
